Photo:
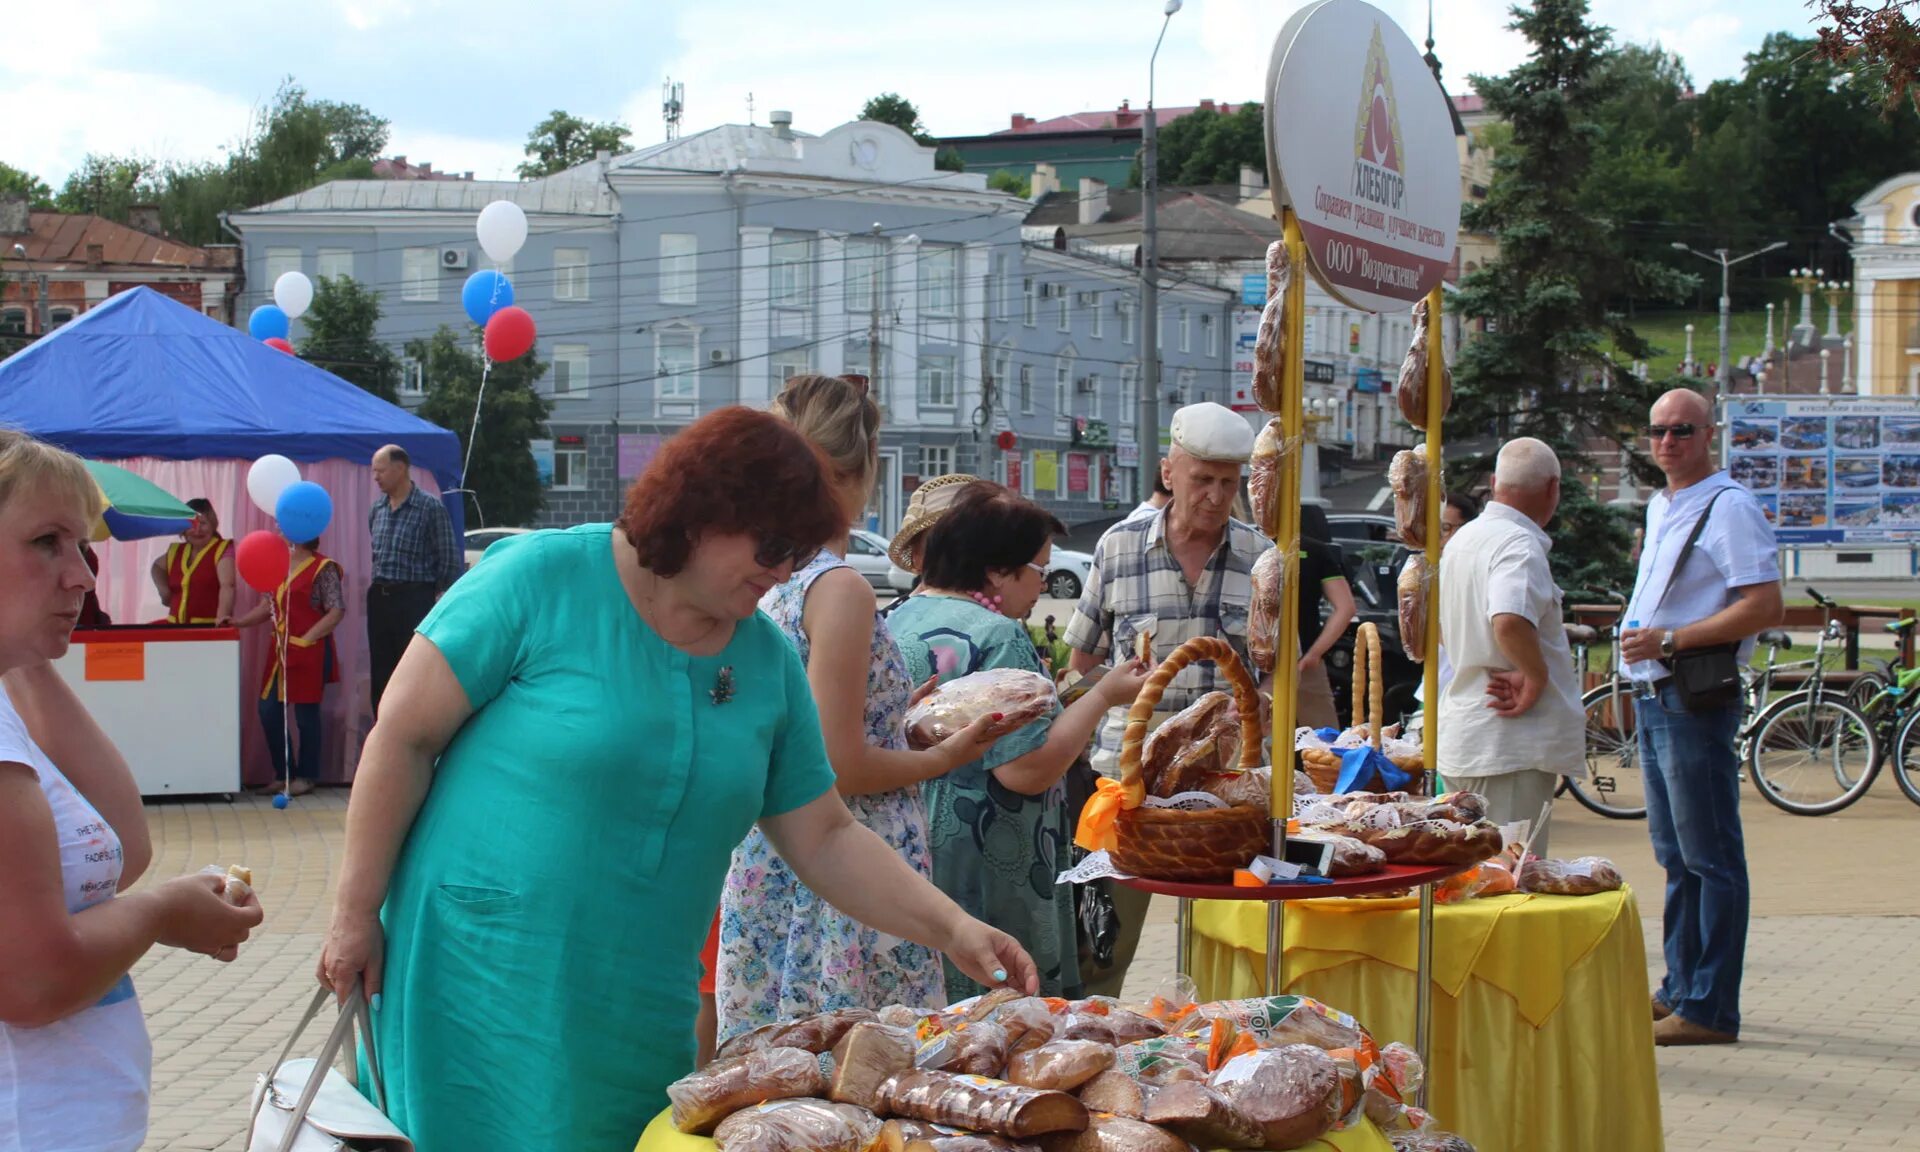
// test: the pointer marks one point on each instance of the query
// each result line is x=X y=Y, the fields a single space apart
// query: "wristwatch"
x=1666 y=643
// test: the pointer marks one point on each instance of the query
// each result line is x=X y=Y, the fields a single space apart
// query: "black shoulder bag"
x=1707 y=679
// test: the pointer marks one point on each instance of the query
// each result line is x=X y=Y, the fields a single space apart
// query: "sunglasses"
x=773 y=551
x=1677 y=431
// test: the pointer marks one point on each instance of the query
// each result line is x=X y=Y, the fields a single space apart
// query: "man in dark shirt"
x=415 y=559
x=1321 y=576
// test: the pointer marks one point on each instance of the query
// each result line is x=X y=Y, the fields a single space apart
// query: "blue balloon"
x=486 y=292
x=304 y=510
x=268 y=321
x=280 y=800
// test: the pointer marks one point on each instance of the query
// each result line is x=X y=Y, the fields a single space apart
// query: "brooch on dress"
x=723 y=685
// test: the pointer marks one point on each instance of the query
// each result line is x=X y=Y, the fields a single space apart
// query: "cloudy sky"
x=463 y=81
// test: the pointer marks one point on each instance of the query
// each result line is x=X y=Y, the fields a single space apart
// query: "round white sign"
x=1360 y=143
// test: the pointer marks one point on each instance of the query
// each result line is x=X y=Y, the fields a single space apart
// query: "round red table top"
x=1386 y=880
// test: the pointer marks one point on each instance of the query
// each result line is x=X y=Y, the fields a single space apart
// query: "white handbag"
x=296 y=1111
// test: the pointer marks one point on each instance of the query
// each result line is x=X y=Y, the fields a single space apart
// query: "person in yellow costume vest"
x=311 y=604
x=195 y=576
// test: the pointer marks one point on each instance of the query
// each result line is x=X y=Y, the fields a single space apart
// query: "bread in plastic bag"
x=704 y=1098
x=1060 y=1065
x=1293 y=1092
x=1115 y=1134
x=1412 y=594
x=1407 y=476
x=1018 y=695
x=1263 y=610
x=798 y=1126
x=1166 y=764
x=919 y=1136
x=1252 y=788
x=1117 y=1093
x=1351 y=857
x=1411 y=389
x=1428 y=1140
x=1028 y=1022
x=1161 y=1060
x=1202 y=1115
x=1582 y=877
x=865 y=1058
x=981 y=1104
x=811 y=1033
x=1280 y=1020
x=1263 y=474
x=970 y=1049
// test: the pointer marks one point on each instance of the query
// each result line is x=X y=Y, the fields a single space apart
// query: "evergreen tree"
x=1554 y=360
x=341 y=324
x=501 y=476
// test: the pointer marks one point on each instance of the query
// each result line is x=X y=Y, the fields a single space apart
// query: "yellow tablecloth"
x=661 y=1136
x=1541 y=1034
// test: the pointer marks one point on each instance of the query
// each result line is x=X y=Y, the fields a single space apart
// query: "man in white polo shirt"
x=1510 y=719
x=1727 y=590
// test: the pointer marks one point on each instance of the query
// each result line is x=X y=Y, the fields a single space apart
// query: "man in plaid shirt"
x=1183 y=571
x=415 y=558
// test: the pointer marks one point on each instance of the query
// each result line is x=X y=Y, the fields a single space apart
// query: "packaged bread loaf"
x=983 y=1006
x=1582 y=877
x=1428 y=1140
x=1115 y=1134
x=1059 y=1065
x=920 y=1136
x=1471 y=805
x=1411 y=390
x=1085 y=1026
x=864 y=1059
x=1128 y=1026
x=1118 y=1093
x=1435 y=842
x=811 y=1033
x=1407 y=476
x=901 y=1016
x=1202 y=1115
x=1279 y=1020
x=1175 y=738
x=971 y=1049
x=798 y=1126
x=1496 y=879
x=1019 y=697
x=1251 y=788
x=1412 y=589
x=1270 y=343
x=1263 y=611
x=981 y=1104
x=1028 y=1022
x=1350 y=857
x=725 y=1086
x=1263 y=475
x=1293 y=1092
x=1161 y=1060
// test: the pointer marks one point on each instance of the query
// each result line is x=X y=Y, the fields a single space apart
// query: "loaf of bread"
x=1162 y=1060
x=812 y=1033
x=1263 y=475
x=1278 y=1020
x=1413 y=588
x=1115 y=1134
x=1351 y=857
x=1263 y=611
x=983 y=1007
x=798 y=1126
x=901 y=1016
x=1117 y=1093
x=969 y=1050
x=1293 y=1093
x=704 y=1098
x=865 y=1057
x=1435 y=842
x=1126 y=1024
x=1019 y=696
x=1270 y=344
x=1411 y=390
x=1471 y=805
x=1495 y=879
x=981 y=1104
x=1428 y=1140
x=1582 y=877
x=1060 y=1065
x=1203 y=1116
x=1085 y=1026
x=1028 y=1022
x=1407 y=476
x=1174 y=738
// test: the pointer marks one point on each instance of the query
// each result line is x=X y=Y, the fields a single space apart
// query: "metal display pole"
x=1430 y=647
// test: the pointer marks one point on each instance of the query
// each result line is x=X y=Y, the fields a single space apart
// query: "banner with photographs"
x=1830 y=471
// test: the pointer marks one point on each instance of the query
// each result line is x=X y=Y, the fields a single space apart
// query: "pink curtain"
x=126 y=591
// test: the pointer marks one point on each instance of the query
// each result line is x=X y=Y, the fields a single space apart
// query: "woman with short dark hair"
x=578 y=736
x=1000 y=826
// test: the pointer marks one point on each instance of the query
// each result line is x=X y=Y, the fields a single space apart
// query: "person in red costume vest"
x=195 y=577
x=311 y=604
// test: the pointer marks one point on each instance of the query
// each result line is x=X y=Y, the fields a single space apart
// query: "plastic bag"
x=1263 y=476
x=1060 y=1065
x=1428 y=1140
x=1582 y=877
x=1277 y=1020
x=1263 y=612
x=704 y=1098
x=1412 y=590
x=1020 y=697
x=1293 y=1092
x=798 y=1126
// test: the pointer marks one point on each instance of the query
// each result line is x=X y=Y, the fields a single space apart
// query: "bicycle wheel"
x=1864 y=689
x=1812 y=755
x=1906 y=756
x=1612 y=786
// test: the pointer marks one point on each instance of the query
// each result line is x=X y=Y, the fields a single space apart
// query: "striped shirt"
x=1135 y=585
x=413 y=544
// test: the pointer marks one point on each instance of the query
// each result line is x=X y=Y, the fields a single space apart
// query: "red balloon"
x=262 y=559
x=509 y=334
x=279 y=342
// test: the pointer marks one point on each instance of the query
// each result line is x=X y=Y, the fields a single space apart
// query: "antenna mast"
x=673 y=102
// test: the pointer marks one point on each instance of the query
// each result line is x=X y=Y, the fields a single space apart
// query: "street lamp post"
x=1832 y=291
x=1686 y=362
x=1149 y=433
x=39 y=288
x=1767 y=353
x=1806 y=280
x=1724 y=374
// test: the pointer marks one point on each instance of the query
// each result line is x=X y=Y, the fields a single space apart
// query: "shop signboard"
x=1829 y=471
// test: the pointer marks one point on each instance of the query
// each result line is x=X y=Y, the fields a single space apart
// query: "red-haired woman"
x=582 y=730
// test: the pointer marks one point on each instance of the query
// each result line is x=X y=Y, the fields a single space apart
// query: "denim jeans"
x=1692 y=779
x=306 y=745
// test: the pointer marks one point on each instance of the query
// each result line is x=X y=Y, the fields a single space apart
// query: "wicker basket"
x=1172 y=843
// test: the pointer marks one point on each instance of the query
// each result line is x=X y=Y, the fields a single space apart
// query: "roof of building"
x=576 y=192
x=59 y=238
x=397 y=168
x=1126 y=118
x=1199 y=223
x=718 y=149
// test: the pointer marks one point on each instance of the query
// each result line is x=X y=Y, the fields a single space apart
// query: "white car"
x=1066 y=575
x=480 y=539
x=867 y=555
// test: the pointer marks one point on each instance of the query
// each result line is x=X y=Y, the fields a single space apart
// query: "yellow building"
x=1886 y=298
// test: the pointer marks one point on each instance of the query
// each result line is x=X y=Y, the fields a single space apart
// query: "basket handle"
x=1368 y=691
x=1246 y=698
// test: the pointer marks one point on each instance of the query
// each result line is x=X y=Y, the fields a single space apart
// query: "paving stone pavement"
x=1829 y=1057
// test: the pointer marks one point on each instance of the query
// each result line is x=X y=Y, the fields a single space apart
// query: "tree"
x=1206 y=147
x=18 y=182
x=563 y=140
x=895 y=109
x=504 y=484
x=341 y=323
x=1546 y=366
x=1003 y=180
x=108 y=186
x=1878 y=42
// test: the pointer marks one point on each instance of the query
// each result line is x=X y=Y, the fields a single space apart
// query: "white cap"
x=1209 y=431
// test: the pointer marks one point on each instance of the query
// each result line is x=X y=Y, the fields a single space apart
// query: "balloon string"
x=286 y=705
x=473 y=434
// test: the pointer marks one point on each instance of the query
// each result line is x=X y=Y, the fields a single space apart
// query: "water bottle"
x=1642 y=685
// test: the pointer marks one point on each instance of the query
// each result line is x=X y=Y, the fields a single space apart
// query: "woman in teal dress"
x=581 y=732
x=1000 y=826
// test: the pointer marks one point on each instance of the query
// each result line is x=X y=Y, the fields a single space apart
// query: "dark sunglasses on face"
x=774 y=551
x=1677 y=431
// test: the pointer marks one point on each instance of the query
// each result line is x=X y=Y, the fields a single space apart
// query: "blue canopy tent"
x=189 y=403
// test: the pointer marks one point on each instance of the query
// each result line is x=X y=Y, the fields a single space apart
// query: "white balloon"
x=502 y=229
x=293 y=292
x=270 y=476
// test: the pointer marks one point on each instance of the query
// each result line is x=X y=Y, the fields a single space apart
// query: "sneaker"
x=1660 y=1010
x=1678 y=1030
x=300 y=786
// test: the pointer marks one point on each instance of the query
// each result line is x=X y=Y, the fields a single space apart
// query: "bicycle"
x=1612 y=785
x=1809 y=752
x=1894 y=711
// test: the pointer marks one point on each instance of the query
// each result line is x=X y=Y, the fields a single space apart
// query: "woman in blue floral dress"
x=784 y=952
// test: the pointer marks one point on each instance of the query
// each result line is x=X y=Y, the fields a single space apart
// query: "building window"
x=335 y=263
x=935 y=460
x=1127 y=321
x=1186 y=379
x=57 y=317
x=792 y=268
x=570 y=469
x=1062 y=393
x=679 y=268
x=997 y=288
x=570 y=274
x=280 y=261
x=1064 y=321
x=675 y=377
x=570 y=366
x=1002 y=371
x=1129 y=392
x=420 y=274
x=413 y=377
x=936 y=381
x=1099 y=315
x=786 y=365
x=13 y=322
x=1026 y=389
x=1186 y=331
x=866 y=273
x=1210 y=335
x=937 y=269
x=1092 y=390
x=1029 y=305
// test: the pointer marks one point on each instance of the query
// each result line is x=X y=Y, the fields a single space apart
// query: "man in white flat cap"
x=1184 y=570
